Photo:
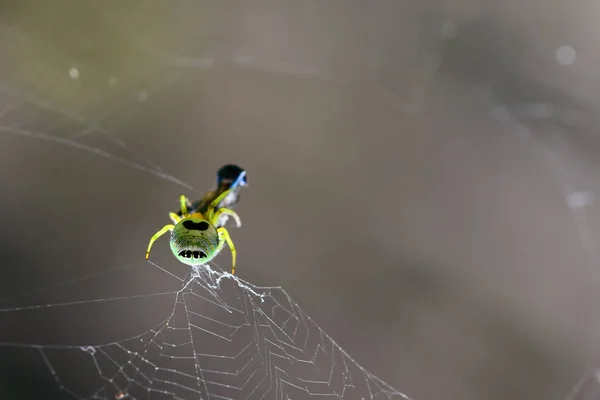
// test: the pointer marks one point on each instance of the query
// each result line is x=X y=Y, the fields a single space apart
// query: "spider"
x=229 y=177
x=195 y=240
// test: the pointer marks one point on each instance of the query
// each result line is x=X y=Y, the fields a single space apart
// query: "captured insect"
x=195 y=238
x=231 y=178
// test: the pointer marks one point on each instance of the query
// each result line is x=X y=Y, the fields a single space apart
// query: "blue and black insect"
x=230 y=177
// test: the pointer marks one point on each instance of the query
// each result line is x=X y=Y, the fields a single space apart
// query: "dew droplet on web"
x=565 y=55
x=142 y=96
x=578 y=200
x=74 y=73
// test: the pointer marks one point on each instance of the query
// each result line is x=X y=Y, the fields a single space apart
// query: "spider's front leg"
x=184 y=201
x=158 y=234
x=224 y=237
x=226 y=211
x=220 y=198
x=174 y=217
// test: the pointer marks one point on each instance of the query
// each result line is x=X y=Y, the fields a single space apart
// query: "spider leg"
x=223 y=234
x=174 y=217
x=158 y=234
x=184 y=202
x=189 y=206
x=226 y=211
x=210 y=212
x=220 y=198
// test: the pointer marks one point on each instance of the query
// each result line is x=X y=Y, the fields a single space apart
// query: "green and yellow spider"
x=194 y=238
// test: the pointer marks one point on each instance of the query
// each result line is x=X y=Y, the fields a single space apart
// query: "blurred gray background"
x=422 y=174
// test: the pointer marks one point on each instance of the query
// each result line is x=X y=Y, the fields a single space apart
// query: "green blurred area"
x=51 y=49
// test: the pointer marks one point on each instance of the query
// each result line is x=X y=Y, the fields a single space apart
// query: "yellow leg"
x=184 y=201
x=174 y=217
x=226 y=211
x=216 y=201
x=158 y=234
x=224 y=235
x=210 y=212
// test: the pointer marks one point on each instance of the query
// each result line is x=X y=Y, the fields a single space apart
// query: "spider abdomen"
x=194 y=241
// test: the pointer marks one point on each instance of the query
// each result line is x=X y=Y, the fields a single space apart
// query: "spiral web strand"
x=579 y=193
x=224 y=339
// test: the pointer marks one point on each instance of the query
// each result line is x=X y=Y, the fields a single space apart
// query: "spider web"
x=224 y=338
x=579 y=193
x=588 y=388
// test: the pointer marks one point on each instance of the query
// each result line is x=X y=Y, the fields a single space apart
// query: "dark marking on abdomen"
x=195 y=226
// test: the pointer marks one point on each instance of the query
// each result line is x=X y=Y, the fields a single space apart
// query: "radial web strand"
x=224 y=339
